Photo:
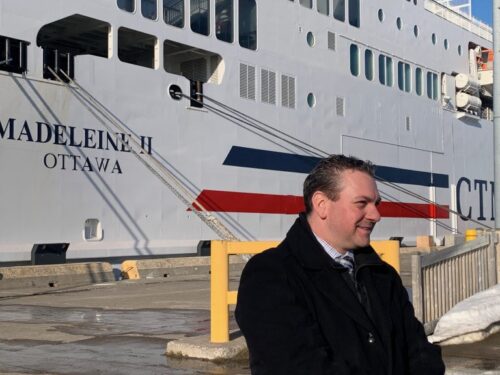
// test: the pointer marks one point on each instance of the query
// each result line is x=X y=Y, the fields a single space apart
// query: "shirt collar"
x=334 y=254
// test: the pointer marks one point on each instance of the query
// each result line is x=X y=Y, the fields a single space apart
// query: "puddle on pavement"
x=122 y=342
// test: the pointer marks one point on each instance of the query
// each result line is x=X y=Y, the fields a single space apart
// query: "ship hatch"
x=66 y=38
x=197 y=65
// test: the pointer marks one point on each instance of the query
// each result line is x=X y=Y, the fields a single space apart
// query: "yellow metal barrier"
x=220 y=295
x=470 y=235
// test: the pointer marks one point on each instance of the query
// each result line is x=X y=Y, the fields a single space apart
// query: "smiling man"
x=323 y=302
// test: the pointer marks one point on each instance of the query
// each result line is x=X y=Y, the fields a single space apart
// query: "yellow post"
x=470 y=234
x=388 y=251
x=219 y=285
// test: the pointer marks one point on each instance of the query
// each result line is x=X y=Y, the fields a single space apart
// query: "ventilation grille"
x=214 y=68
x=247 y=81
x=268 y=86
x=288 y=91
x=195 y=70
x=340 y=105
x=331 y=41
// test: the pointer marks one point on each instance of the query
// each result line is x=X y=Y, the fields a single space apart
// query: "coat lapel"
x=322 y=272
x=331 y=284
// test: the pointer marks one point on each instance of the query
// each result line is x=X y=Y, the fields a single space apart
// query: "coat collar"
x=310 y=253
x=318 y=265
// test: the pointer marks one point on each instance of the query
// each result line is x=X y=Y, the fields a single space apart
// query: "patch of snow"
x=472 y=319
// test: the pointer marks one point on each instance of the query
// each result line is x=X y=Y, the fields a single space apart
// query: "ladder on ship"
x=112 y=123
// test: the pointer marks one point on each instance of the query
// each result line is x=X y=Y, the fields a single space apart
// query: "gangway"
x=113 y=124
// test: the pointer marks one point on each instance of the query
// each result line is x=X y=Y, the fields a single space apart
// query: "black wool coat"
x=300 y=314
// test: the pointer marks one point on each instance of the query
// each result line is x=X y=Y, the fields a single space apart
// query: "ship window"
x=419 y=81
x=354 y=13
x=323 y=7
x=268 y=86
x=200 y=16
x=434 y=38
x=148 y=9
x=432 y=85
x=173 y=12
x=288 y=91
x=385 y=71
x=399 y=23
x=369 y=65
x=224 y=20
x=13 y=55
x=339 y=10
x=354 y=60
x=248 y=24
x=136 y=48
x=459 y=50
x=415 y=31
x=306 y=3
x=127 y=5
x=247 y=81
x=446 y=44
x=381 y=15
x=404 y=76
x=311 y=100
x=310 y=39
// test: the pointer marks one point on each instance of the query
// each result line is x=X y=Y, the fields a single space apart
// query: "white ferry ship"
x=142 y=127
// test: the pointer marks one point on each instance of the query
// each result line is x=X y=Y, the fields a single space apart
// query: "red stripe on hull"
x=229 y=201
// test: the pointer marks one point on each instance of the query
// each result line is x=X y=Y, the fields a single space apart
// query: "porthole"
x=434 y=38
x=415 y=31
x=415 y=2
x=381 y=15
x=310 y=39
x=460 y=50
x=445 y=43
x=311 y=100
x=399 y=23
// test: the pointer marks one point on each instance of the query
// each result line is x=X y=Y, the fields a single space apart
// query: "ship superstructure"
x=142 y=127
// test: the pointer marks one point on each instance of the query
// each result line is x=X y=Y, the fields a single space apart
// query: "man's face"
x=351 y=218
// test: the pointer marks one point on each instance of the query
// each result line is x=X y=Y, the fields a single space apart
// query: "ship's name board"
x=74 y=140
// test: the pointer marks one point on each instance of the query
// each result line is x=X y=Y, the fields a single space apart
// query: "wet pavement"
x=122 y=328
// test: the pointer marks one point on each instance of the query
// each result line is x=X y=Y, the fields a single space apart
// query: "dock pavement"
x=122 y=327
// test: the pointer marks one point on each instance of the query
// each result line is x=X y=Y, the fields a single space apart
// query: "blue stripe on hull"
x=284 y=162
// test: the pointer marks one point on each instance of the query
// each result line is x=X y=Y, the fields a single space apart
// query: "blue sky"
x=482 y=9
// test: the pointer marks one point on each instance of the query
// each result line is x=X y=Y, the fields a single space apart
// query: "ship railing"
x=442 y=279
x=220 y=295
x=471 y=24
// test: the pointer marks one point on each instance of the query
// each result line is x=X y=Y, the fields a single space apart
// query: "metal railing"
x=442 y=279
x=473 y=25
x=220 y=295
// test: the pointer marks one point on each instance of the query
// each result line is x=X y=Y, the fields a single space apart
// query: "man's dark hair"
x=325 y=176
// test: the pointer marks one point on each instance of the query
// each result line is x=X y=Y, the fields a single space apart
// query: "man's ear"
x=319 y=202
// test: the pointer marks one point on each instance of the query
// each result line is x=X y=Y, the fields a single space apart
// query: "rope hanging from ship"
x=243 y=120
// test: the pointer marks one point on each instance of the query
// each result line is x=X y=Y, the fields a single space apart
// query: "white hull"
x=49 y=190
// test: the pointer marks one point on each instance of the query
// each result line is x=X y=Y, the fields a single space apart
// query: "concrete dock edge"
x=55 y=275
x=168 y=267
